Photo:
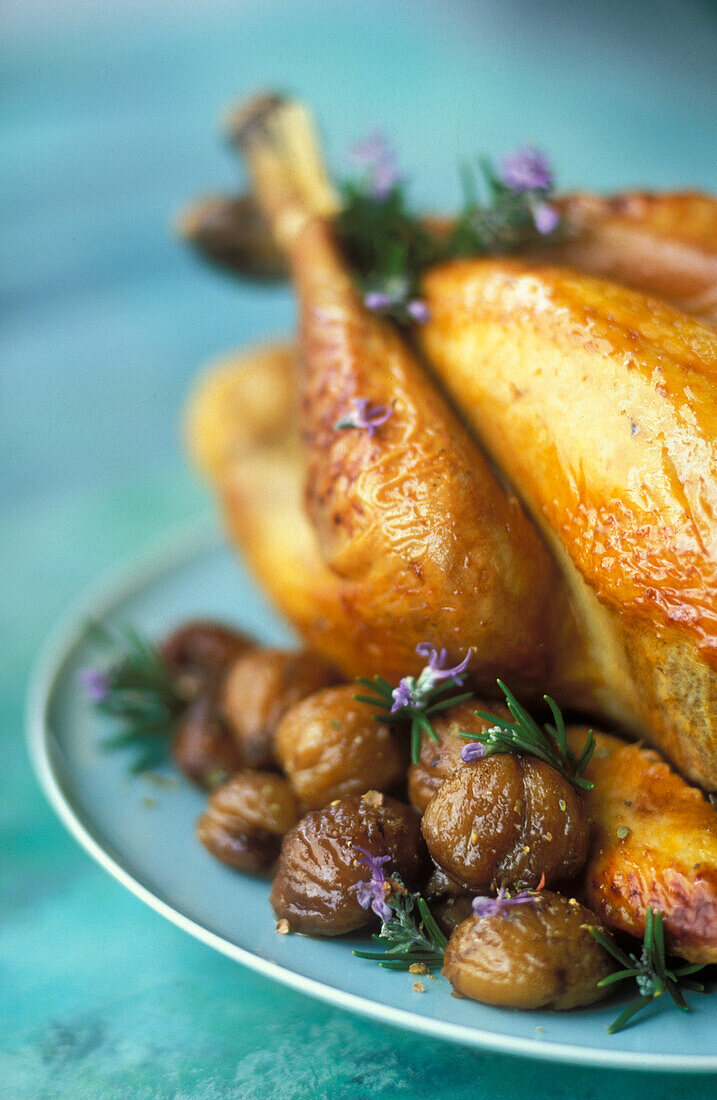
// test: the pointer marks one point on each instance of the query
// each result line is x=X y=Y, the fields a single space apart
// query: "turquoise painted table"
x=108 y=124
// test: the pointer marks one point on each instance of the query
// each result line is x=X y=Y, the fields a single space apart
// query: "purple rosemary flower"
x=372 y=894
x=417 y=698
x=94 y=683
x=378 y=301
x=545 y=217
x=526 y=169
x=436 y=661
x=377 y=157
x=365 y=415
x=488 y=907
x=403 y=694
x=394 y=299
x=417 y=310
x=416 y=692
x=474 y=750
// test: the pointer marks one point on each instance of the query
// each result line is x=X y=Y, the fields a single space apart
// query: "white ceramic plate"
x=142 y=832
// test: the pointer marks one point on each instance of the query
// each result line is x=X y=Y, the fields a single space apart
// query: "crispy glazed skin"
x=668 y=859
x=242 y=432
x=250 y=451
x=664 y=244
x=612 y=397
x=426 y=542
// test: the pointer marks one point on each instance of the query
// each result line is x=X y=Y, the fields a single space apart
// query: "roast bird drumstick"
x=425 y=542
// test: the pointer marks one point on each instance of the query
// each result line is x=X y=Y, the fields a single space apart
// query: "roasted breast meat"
x=613 y=397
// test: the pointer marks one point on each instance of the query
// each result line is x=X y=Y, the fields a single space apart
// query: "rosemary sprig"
x=417 y=716
x=134 y=688
x=653 y=976
x=524 y=735
x=411 y=934
x=417 y=698
x=506 y=220
x=386 y=245
x=389 y=247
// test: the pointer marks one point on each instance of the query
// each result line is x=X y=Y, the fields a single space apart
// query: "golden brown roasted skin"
x=653 y=842
x=662 y=243
x=423 y=541
x=646 y=678
x=600 y=406
x=250 y=450
x=242 y=433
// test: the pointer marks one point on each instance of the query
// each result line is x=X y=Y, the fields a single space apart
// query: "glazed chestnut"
x=259 y=688
x=331 y=746
x=438 y=760
x=246 y=819
x=504 y=821
x=198 y=650
x=535 y=955
x=202 y=746
x=319 y=869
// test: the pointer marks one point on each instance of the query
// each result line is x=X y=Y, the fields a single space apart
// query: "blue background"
x=109 y=123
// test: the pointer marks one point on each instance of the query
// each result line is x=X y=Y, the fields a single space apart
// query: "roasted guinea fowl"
x=377 y=573
x=592 y=400
x=417 y=538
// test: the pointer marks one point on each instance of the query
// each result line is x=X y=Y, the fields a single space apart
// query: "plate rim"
x=133 y=572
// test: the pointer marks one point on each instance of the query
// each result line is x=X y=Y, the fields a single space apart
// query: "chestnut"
x=505 y=821
x=320 y=866
x=331 y=746
x=202 y=746
x=246 y=819
x=259 y=688
x=199 y=650
x=539 y=954
x=438 y=760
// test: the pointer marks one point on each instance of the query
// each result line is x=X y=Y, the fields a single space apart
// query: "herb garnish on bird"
x=524 y=735
x=389 y=247
x=416 y=698
x=651 y=972
x=365 y=416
